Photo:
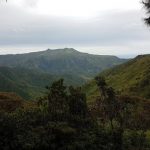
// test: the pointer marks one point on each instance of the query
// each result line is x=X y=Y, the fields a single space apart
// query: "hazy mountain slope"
x=132 y=77
x=24 y=82
x=62 y=61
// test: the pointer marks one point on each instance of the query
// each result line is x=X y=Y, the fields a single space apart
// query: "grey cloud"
x=31 y=3
x=116 y=28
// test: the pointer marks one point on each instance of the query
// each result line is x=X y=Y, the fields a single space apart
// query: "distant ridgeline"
x=28 y=74
x=131 y=78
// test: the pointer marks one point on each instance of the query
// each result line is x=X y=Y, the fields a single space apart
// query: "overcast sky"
x=96 y=26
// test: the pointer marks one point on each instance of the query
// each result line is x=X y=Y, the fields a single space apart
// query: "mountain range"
x=28 y=74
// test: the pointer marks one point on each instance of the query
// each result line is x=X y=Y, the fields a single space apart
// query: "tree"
x=114 y=112
x=107 y=102
x=123 y=113
x=77 y=102
x=108 y=105
x=57 y=97
x=61 y=100
x=147 y=6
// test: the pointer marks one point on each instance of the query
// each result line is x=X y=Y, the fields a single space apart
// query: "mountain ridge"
x=58 y=50
x=61 y=61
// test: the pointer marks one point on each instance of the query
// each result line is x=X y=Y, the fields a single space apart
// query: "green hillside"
x=24 y=82
x=62 y=61
x=30 y=83
x=28 y=74
x=131 y=78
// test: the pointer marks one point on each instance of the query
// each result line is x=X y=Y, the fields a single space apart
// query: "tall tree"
x=57 y=97
x=77 y=102
x=147 y=6
x=107 y=102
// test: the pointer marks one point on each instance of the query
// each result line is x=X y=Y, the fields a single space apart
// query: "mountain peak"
x=70 y=50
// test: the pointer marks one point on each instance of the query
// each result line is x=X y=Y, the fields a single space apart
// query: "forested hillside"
x=105 y=115
x=30 y=84
x=62 y=120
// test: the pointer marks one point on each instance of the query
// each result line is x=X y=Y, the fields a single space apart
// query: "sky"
x=101 y=27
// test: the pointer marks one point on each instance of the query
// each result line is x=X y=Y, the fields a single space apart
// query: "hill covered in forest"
x=132 y=78
x=30 y=84
x=62 y=61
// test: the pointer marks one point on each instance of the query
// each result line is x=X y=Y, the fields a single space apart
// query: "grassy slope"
x=131 y=78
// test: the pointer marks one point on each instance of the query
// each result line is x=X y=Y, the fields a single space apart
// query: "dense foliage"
x=62 y=120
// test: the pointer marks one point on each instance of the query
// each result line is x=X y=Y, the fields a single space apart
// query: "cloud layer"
x=116 y=31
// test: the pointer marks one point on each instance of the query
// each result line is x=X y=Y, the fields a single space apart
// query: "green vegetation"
x=62 y=61
x=28 y=83
x=28 y=74
x=109 y=116
x=62 y=120
x=131 y=78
